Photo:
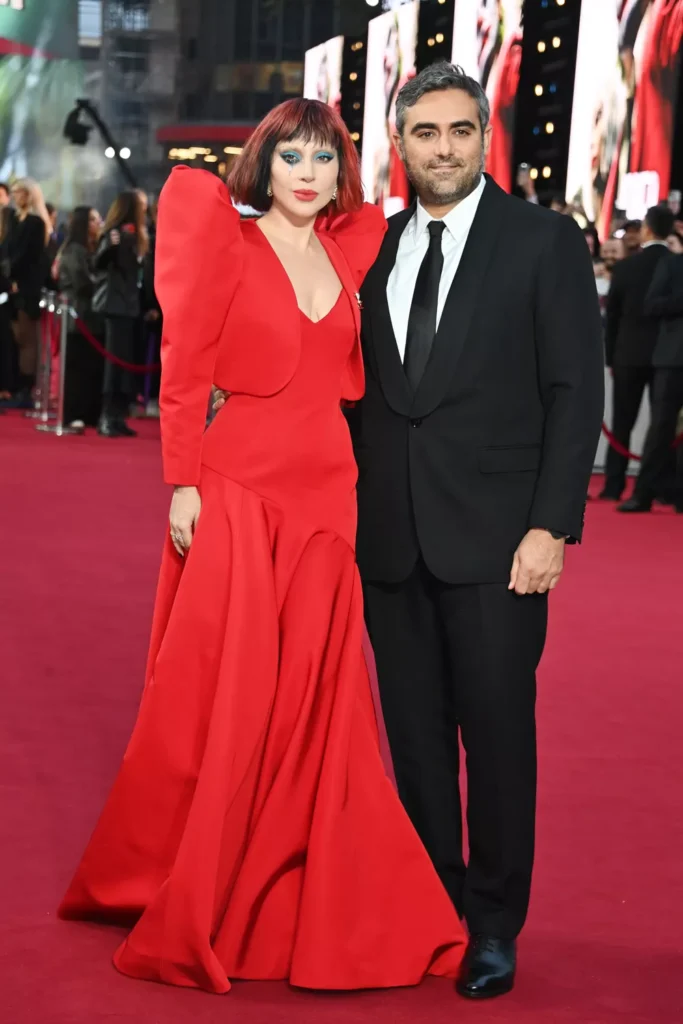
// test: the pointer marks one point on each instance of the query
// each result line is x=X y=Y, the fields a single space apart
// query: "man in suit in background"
x=630 y=338
x=475 y=444
x=664 y=301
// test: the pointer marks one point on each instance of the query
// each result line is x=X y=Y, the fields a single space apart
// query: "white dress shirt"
x=412 y=249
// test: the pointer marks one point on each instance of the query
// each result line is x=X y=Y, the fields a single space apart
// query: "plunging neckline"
x=314 y=323
x=289 y=280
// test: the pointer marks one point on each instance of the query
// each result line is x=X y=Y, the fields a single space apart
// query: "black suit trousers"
x=630 y=383
x=460 y=661
x=658 y=459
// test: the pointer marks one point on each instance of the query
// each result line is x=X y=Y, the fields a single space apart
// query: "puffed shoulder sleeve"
x=199 y=255
x=359 y=236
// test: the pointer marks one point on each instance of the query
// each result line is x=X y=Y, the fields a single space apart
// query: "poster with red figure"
x=628 y=62
x=487 y=44
x=323 y=72
x=392 y=44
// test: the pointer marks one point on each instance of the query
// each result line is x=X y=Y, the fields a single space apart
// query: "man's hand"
x=219 y=398
x=538 y=563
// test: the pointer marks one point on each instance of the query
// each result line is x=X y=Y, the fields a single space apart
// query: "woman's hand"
x=115 y=237
x=219 y=398
x=185 y=508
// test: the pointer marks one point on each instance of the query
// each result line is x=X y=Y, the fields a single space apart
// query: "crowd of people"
x=105 y=272
x=105 y=269
x=639 y=277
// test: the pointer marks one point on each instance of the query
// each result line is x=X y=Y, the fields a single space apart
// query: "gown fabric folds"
x=252 y=831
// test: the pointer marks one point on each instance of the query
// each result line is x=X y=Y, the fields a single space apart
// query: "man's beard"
x=447 y=192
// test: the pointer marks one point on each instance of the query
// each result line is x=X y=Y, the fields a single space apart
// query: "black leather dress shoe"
x=635 y=505
x=108 y=428
x=488 y=969
x=124 y=430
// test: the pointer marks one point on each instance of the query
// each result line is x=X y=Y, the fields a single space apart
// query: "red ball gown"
x=252 y=831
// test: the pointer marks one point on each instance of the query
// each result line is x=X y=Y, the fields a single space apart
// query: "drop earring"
x=334 y=195
x=269 y=192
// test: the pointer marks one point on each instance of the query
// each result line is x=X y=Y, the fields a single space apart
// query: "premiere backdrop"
x=323 y=72
x=40 y=79
x=392 y=42
x=487 y=43
x=625 y=89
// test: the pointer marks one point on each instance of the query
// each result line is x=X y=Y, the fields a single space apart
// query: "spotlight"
x=541 y=47
x=557 y=42
x=372 y=3
x=546 y=172
x=439 y=37
x=533 y=173
x=124 y=153
x=431 y=42
x=550 y=127
x=538 y=89
x=74 y=130
x=353 y=76
x=110 y=152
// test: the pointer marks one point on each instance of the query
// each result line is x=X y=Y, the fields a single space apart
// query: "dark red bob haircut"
x=308 y=121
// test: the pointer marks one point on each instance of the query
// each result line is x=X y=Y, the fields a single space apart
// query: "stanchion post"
x=46 y=360
x=59 y=429
x=41 y=404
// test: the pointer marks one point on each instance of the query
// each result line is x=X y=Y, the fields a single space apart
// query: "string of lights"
x=546 y=88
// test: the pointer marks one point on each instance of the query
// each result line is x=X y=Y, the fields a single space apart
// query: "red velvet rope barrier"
x=619 y=447
x=92 y=340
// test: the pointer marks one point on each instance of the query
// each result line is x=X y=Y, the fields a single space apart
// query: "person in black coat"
x=8 y=349
x=84 y=365
x=475 y=443
x=31 y=229
x=118 y=279
x=630 y=338
x=664 y=302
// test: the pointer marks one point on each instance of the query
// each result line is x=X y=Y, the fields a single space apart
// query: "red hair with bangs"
x=308 y=121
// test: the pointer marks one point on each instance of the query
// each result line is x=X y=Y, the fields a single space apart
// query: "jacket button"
x=416 y=423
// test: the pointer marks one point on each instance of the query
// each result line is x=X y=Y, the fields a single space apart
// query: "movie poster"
x=487 y=43
x=392 y=42
x=323 y=72
x=625 y=90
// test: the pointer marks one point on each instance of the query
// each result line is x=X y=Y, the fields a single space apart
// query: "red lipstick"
x=306 y=195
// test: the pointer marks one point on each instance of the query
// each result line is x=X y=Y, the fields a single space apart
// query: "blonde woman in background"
x=29 y=234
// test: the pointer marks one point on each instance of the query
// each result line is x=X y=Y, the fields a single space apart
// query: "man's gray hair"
x=436 y=78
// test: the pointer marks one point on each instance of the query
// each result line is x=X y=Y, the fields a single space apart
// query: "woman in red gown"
x=252 y=831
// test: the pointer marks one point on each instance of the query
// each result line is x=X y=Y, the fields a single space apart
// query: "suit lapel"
x=379 y=330
x=462 y=300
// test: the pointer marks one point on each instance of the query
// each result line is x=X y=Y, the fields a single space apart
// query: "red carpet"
x=82 y=525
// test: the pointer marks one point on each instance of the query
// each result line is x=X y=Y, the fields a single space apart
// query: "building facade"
x=238 y=61
x=188 y=79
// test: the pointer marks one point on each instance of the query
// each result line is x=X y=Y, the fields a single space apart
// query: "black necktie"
x=422 y=318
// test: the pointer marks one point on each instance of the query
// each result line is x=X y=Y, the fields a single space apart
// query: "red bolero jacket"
x=230 y=315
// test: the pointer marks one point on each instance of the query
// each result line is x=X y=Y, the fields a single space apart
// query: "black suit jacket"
x=630 y=333
x=502 y=431
x=664 y=300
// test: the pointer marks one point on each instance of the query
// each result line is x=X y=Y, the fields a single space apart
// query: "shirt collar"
x=655 y=241
x=458 y=222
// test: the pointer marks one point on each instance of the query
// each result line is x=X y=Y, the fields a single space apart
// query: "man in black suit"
x=475 y=443
x=630 y=338
x=664 y=301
